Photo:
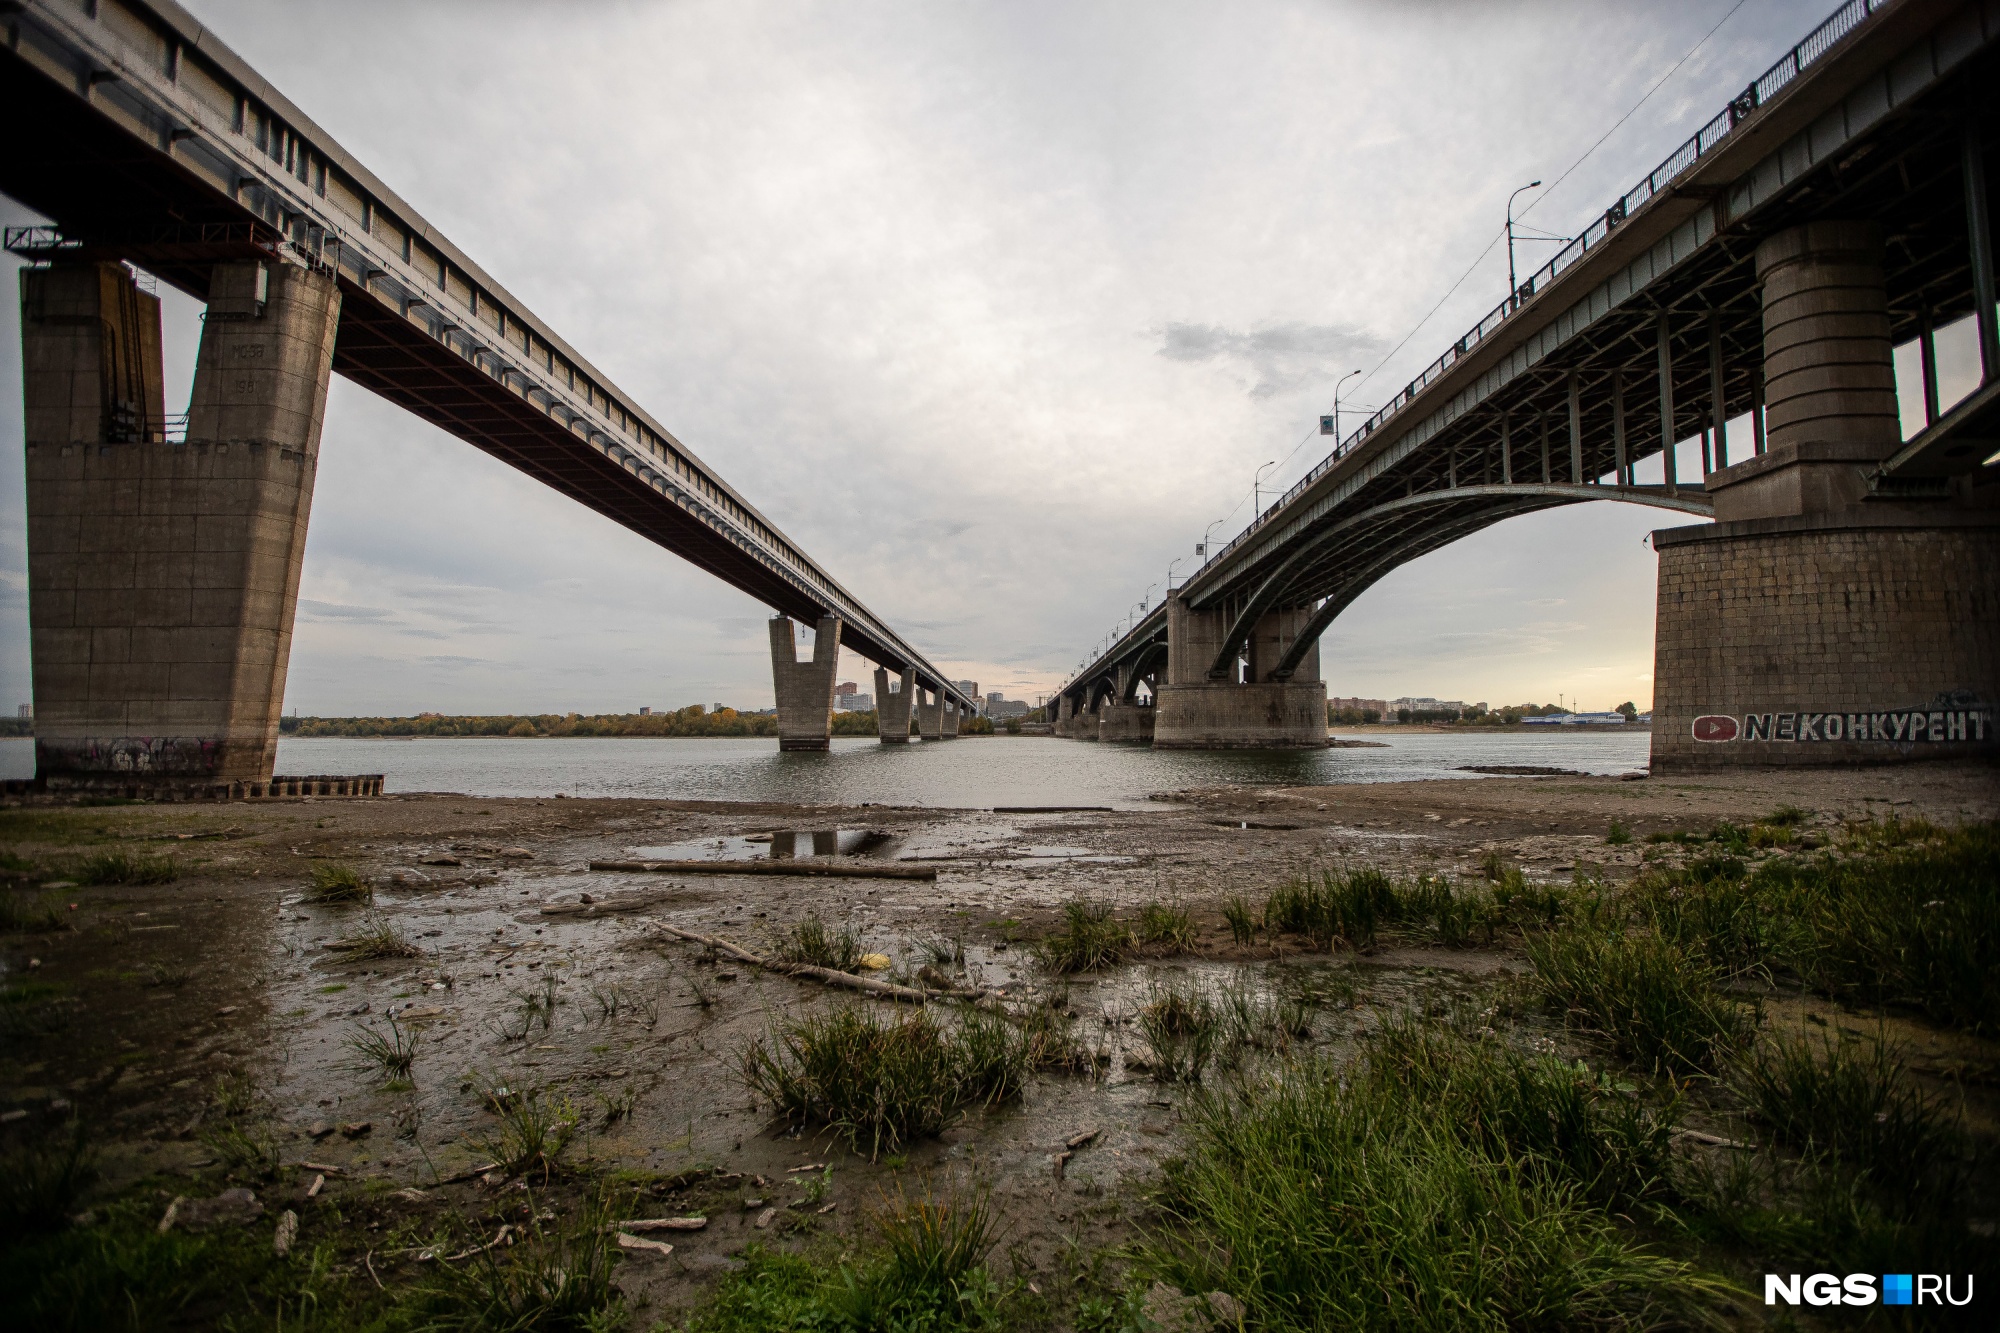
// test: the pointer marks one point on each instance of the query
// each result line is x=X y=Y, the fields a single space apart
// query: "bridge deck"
x=153 y=142
x=1559 y=394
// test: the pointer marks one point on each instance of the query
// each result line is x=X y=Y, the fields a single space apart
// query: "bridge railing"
x=1816 y=44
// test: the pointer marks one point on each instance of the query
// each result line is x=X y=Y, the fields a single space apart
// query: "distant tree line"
x=1506 y=715
x=693 y=720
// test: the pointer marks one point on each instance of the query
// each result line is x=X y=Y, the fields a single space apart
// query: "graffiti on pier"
x=178 y=755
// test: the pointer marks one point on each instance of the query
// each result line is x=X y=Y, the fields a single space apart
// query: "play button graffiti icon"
x=1714 y=728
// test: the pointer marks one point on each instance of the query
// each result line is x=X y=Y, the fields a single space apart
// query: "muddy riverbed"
x=153 y=1005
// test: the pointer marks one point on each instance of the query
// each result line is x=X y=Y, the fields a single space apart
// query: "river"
x=971 y=772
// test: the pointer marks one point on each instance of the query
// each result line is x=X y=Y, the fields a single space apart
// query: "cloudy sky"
x=995 y=307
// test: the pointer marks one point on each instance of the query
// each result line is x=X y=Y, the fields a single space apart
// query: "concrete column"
x=1193 y=712
x=163 y=578
x=1065 y=719
x=892 y=711
x=805 y=689
x=930 y=714
x=1814 y=623
x=1829 y=380
x=1126 y=724
x=948 y=719
x=1273 y=638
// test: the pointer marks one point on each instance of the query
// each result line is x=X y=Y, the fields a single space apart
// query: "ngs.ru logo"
x=1860 y=1289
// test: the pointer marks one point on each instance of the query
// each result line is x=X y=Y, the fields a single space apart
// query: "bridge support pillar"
x=163 y=577
x=1820 y=620
x=1126 y=724
x=948 y=719
x=805 y=689
x=1193 y=712
x=930 y=714
x=892 y=711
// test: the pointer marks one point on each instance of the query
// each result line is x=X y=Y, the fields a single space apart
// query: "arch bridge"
x=1724 y=329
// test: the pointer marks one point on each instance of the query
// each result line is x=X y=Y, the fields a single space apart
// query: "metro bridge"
x=163 y=569
x=1748 y=293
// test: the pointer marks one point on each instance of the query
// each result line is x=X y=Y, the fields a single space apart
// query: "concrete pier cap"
x=164 y=575
x=805 y=689
x=892 y=710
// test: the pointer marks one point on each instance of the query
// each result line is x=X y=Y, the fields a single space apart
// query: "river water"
x=971 y=772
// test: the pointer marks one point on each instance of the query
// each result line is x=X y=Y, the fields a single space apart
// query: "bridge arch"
x=1302 y=569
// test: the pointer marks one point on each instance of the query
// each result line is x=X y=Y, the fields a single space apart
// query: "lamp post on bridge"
x=1170 y=573
x=1257 y=490
x=1201 y=548
x=1513 y=283
x=1335 y=432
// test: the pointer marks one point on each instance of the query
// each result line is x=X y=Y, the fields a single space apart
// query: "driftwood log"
x=779 y=867
x=828 y=975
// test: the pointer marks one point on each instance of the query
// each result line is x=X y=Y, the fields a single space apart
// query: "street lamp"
x=1202 y=549
x=1336 y=409
x=1256 y=487
x=1170 y=572
x=1513 y=283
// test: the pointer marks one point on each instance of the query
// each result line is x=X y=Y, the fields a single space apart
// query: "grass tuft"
x=1087 y=940
x=1854 y=1102
x=1167 y=926
x=881 y=1083
x=41 y=1180
x=1338 y=1197
x=379 y=937
x=812 y=943
x=557 y=1277
x=534 y=1134
x=333 y=882
x=391 y=1054
x=1654 y=999
x=124 y=868
x=1242 y=921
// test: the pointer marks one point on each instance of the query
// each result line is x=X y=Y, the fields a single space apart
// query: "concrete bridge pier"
x=1254 y=710
x=948 y=719
x=1122 y=720
x=930 y=713
x=892 y=711
x=805 y=689
x=1824 y=618
x=163 y=577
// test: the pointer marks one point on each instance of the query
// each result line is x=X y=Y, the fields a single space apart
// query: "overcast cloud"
x=993 y=307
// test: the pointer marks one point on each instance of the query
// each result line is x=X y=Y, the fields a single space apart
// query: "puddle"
x=778 y=845
x=1045 y=852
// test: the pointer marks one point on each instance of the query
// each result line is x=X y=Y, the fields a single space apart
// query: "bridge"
x=164 y=553
x=1749 y=293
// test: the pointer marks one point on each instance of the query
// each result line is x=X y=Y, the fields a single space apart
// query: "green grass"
x=1854 y=1102
x=42 y=1177
x=1351 y=906
x=126 y=868
x=1088 y=939
x=558 y=1276
x=1618 y=835
x=1652 y=998
x=378 y=937
x=1180 y=1023
x=925 y=1272
x=1167 y=926
x=333 y=882
x=1341 y=1198
x=1904 y=914
x=532 y=1134
x=1242 y=921
x=881 y=1083
x=43 y=912
x=812 y=943
x=390 y=1054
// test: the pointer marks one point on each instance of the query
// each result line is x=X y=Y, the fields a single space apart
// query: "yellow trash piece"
x=874 y=962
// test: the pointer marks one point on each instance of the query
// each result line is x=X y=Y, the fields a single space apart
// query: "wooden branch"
x=829 y=975
x=780 y=867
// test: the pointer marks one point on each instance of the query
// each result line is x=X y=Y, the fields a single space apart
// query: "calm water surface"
x=972 y=772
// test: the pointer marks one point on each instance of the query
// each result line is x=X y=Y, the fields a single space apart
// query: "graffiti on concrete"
x=191 y=755
x=1949 y=719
